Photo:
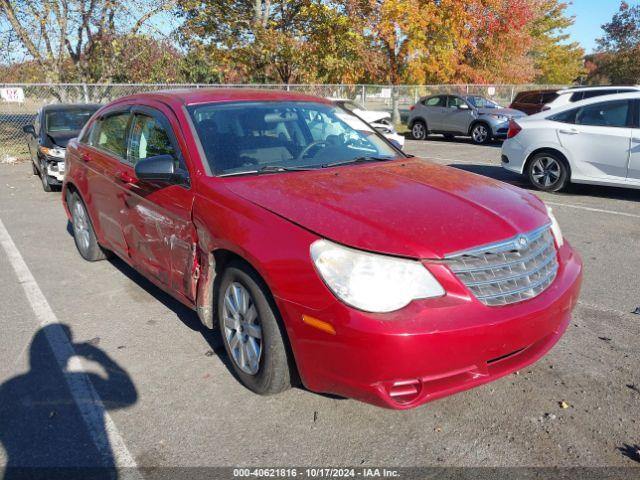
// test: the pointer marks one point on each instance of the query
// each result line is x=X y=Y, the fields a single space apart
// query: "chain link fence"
x=20 y=102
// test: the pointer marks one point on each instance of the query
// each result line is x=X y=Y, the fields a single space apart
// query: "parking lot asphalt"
x=171 y=400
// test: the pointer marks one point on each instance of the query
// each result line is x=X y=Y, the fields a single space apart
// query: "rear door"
x=101 y=155
x=159 y=229
x=598 y=136
x=434 y=110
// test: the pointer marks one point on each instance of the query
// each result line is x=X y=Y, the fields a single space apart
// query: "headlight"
x=53 y=152
x=500 y=118
x=555 y=228
x=371 y=282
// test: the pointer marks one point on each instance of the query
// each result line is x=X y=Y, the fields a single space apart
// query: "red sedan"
x=321 y=251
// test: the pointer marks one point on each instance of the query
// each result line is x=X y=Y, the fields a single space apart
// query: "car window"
x=568 y=116
x=575 y=97
x=67 y=120
x=110 y=134
x=481 y=102
x=435 y=101
x=455 y=102
x=598 y=93
x=242 y=137
x=526 y=97
x=148 y=139
x=548 y=97
x=606 y=114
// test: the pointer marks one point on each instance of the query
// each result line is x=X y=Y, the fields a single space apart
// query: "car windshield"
x=68 y=120
x=481 y=102
x=255 y=137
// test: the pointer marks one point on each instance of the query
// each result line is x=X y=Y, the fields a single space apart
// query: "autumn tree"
x=68 y=39
x=556 y=60
x=620 y=46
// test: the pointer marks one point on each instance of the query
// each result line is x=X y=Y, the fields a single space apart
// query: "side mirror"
x=159 y=168
x=30 y=129
x=463 y=106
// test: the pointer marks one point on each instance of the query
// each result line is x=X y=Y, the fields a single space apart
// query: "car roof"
x=197 y=96
x=588 y=101
x=601 y=87
x=70 y=106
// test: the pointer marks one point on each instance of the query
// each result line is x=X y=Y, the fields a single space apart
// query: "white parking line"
x=112 y=448
x=591 y=209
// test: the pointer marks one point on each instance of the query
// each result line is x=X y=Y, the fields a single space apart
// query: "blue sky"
x=589 y=16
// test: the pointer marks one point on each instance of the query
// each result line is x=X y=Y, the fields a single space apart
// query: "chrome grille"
x=510 y=271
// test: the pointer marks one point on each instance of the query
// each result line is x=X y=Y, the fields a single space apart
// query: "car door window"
x=455 y=102
x=149 y=138
x=110 y=134
x=606 y=114
x=435 y=102
x=568 y=116
x=598 y=93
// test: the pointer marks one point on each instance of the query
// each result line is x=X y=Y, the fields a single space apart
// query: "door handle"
x=126 y=178
x=571 y=131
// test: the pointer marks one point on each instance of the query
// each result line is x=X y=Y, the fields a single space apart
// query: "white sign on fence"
x=15 y=94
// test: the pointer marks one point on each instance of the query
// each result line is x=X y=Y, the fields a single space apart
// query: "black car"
x=48 y=136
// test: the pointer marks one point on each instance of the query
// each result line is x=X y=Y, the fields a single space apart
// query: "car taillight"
x=514 y=128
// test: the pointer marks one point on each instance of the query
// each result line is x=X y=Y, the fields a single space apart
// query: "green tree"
x=620 y=47
x=556 y=60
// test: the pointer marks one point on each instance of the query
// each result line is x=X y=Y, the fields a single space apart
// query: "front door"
x=159 y=231
x=458 y=115
x=598 y=137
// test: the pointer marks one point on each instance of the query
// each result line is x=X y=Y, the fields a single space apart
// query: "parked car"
x=590 y=141
x=317 y=248
x=48 y=136
x=452 y=115
x=575 y=94
x=378 y=119
x=533 y=101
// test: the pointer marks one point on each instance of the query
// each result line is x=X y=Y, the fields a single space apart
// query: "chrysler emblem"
x=522 y=242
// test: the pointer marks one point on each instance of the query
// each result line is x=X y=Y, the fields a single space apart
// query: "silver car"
x=468 y=115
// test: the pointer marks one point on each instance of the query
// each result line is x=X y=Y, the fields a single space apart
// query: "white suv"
x=575 y=94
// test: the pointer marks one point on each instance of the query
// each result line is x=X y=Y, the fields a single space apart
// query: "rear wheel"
x=253 y=337
x=481 y=134
x=419 y=130
x=83 y=233
x=548 y=172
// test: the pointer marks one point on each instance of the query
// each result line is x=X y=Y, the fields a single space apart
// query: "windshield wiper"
x=363 y=159
x=267 y=169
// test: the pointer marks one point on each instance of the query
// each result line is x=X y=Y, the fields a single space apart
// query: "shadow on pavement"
x=45 y=433
x=499 y=173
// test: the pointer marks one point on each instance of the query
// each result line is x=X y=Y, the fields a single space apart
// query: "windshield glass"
x=481 y=102
x=67 y=120
x=249 y=136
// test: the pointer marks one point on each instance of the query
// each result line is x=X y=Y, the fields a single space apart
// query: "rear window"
x=549 y=97
x=110 y=134
x=526 y=97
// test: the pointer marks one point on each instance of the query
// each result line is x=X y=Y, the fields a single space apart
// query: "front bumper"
x=499 y=130
x=431 y=348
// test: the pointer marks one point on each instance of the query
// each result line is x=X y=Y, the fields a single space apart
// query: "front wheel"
x=253 y=337
x=419 y=130
x=548 y=172
x=480 y=134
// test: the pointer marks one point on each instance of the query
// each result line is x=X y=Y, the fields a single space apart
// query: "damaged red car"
x=322 y=253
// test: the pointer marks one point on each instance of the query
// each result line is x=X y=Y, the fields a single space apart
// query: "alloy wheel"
x=546 y=171
x=418 y=131
x=242 y=329
x=81 y=226
x=479 y=134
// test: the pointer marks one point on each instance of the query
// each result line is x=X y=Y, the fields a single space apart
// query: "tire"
x=481 y=133
x=419 y=130
x=83 y=233
x=271 y=372
x=548 y=171
x=44 y=178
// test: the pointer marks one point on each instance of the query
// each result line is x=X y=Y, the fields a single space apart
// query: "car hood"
x=61 y=139
x=412 y=208
x=372 y=116
x=509 y=112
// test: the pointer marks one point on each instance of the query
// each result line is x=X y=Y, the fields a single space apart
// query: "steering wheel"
x=306 y=149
